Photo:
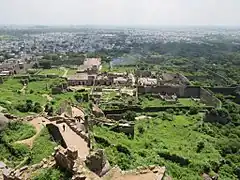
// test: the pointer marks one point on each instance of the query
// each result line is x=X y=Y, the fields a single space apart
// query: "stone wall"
x=184 y=92
x=184 y=79
x=126 y=128
x=209 y=99
x=180 y=91
x=56 y=134
x=116 y=117
x=82 y=130
x=159 y=89
x=224 y=90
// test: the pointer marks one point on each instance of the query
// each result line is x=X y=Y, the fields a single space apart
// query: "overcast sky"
x=120 y=12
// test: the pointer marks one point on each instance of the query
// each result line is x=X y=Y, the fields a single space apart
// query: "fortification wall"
x=159 y=89
x=180 y=91
x=192 y=91
x=224 y=90
x=56 y=134
x=209 y=99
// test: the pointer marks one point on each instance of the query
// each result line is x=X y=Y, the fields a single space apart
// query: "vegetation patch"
x=17 y=131
x=14 y=153
x=51 y=174
x=43 y=146
x=52 y=71
x=176 y=144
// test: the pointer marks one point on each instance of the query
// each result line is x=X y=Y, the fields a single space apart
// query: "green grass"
x=17 y=131
x=156 y=102
x=55 y=71
x=43 y=146
x=123 y=69
x=10 y=94
x=105 y=67
x=189 y=102
x=61 y=98
x=50 y=174
x=71 y=72
x=156 y=136
x=13 y=153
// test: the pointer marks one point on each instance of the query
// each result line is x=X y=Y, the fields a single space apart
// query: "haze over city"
x=121 y=12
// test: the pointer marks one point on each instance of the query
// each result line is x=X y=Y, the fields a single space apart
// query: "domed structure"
x=3 y=121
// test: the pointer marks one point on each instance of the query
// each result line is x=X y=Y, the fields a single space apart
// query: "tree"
x=49 y=174
x=50 y=111
x=193 y=110
x=45 y=64
x=200 y=146
x=130 y=115
x=29 y=105
x=37 y=108
x=47 y=106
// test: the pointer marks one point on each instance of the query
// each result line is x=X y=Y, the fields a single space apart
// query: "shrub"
x=193 y=110
x=17 y=131
x=129 y=115
x=200 y=146
x=141 y=129
x=167 y=117
x=37 y=108
x=123 y=149
x=20 y=150
x=49 y=174
x=174 y=158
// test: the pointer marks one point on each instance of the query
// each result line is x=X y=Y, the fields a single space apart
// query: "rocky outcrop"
x=97 y=111
x=68 y=159
x=65 y=158
x=25 y=172
x=151 y=172
x=97 y=162
x=3 y=121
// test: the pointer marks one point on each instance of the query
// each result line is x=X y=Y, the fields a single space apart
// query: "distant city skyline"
x=121 y=12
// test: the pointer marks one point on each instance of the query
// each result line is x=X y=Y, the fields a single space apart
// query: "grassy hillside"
x=180 y=145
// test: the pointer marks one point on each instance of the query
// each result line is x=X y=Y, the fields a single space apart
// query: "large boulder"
x=98 y=163
x=97 y=111
x=3 y=121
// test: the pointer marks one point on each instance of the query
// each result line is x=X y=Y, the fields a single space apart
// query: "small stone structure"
x=66 y=158
x=25 y=172
x=98 y=163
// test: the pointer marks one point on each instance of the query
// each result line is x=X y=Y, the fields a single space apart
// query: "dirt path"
x=148 y=176
x=23 y=89
x=77 y=112
x=38 y=123
x=49 y=98
x=65 y=73
x=74 y=140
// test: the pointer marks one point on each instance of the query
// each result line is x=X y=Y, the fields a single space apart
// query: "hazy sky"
x=120 y=12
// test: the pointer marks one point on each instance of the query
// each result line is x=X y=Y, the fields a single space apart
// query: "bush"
x=37 y=108
x=193 y=110
x=200 y=146
x=167 y=117
x=43 y=140
x=29 y=106
x=17 y=131
x=49 y=174
x=174 y=158
x=20 y=150
x=130 y=115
